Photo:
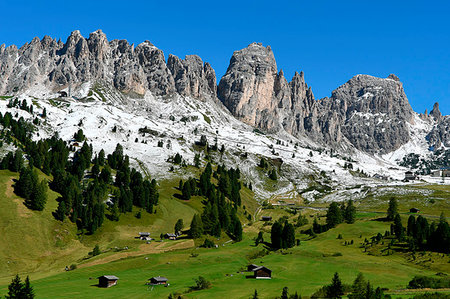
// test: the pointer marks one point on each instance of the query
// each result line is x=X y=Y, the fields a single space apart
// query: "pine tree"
x=15 y=288
x=179 y=226
x=411 y=226
x=350 y=212
x=358 y=287
x=334 y=215
x=237 y=230
x=398 y=227
x=60 y=213
x=285 y=293
x=101 y=157
x=96 y=250
x=288 y=235
x=273 y=175
x=335 y=290
x=276 y=235
x=255 y=295
x=392 y=209
x=196 y=229
x=27 y=290
x=259 y=239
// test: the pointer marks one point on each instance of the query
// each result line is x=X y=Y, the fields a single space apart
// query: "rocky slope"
x=129 y=69
x=366 y=113
x=370 y=113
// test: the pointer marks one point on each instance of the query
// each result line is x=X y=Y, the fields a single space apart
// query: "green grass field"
x=35 y=244
x=304 y=269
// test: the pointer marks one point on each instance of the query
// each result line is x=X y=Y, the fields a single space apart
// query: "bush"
x=96 y=250
x=73 y=267
x=421 y=282
x=201 y=283
x=208 y=244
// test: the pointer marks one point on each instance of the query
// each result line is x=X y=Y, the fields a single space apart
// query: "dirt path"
x=154 y=247
x=22 y=210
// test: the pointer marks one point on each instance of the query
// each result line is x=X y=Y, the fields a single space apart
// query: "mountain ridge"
x=367 y=113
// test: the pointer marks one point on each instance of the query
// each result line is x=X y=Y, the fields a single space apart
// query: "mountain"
x=129 y=69
x=369 y=113
x=365 y=116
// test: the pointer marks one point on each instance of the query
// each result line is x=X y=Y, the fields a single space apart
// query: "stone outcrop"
x=368 y=112
x=435 y=112
x=130 y=69
x=192 y=77
x=256 y=93
x=440 y=134
x=373 y=112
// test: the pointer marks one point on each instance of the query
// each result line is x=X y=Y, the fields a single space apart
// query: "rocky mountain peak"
x=393 y=77
x=436 y=113
x=79 y=60
x=193 y=77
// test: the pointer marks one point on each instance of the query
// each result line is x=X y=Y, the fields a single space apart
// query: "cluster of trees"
x=29 y=187
x=282 y=235
x=360 y=289
x=20 y=128
x=284 y=294
x=435 y=237
x=82 y=198
x=220 y=211
x=13 y=161
x=336 y=214
x=419 y=233
x=264 y=165
x=422 y=282
x=229 y=184
x=79 y=135
x=20 y=290
x=22 y=105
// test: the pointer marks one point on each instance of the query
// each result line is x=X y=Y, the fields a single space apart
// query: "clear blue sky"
x=329 y=40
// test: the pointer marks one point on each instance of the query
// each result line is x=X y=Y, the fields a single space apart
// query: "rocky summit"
x=129 y=69
x=366 y=113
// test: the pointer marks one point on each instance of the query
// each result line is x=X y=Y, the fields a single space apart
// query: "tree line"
x=82 y=197
x=222 y=202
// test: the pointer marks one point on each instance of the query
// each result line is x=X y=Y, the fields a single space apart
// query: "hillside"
x=134 y=142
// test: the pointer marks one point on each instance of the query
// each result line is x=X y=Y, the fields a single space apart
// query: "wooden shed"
x=414 y=210
x=170 y=236
x=262 y=273
x=158 y=280
x=107 y=281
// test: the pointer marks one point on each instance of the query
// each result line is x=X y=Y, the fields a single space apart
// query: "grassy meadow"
x=35 y=244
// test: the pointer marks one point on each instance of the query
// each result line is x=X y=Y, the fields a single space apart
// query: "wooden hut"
x=157 y=280
x=262 y=273
x=170 y=236
x=107 y=281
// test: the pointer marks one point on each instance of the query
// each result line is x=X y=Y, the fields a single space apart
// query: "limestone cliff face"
x=130 y=69
x=254 y=91
x=440 y=134
x=193 y=77
x=368 y=112
x=247 y=88
x=372 y=113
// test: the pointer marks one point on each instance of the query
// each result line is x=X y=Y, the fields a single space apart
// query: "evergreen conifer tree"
x=335 y=290
x=392 y=209
x=196 y=229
